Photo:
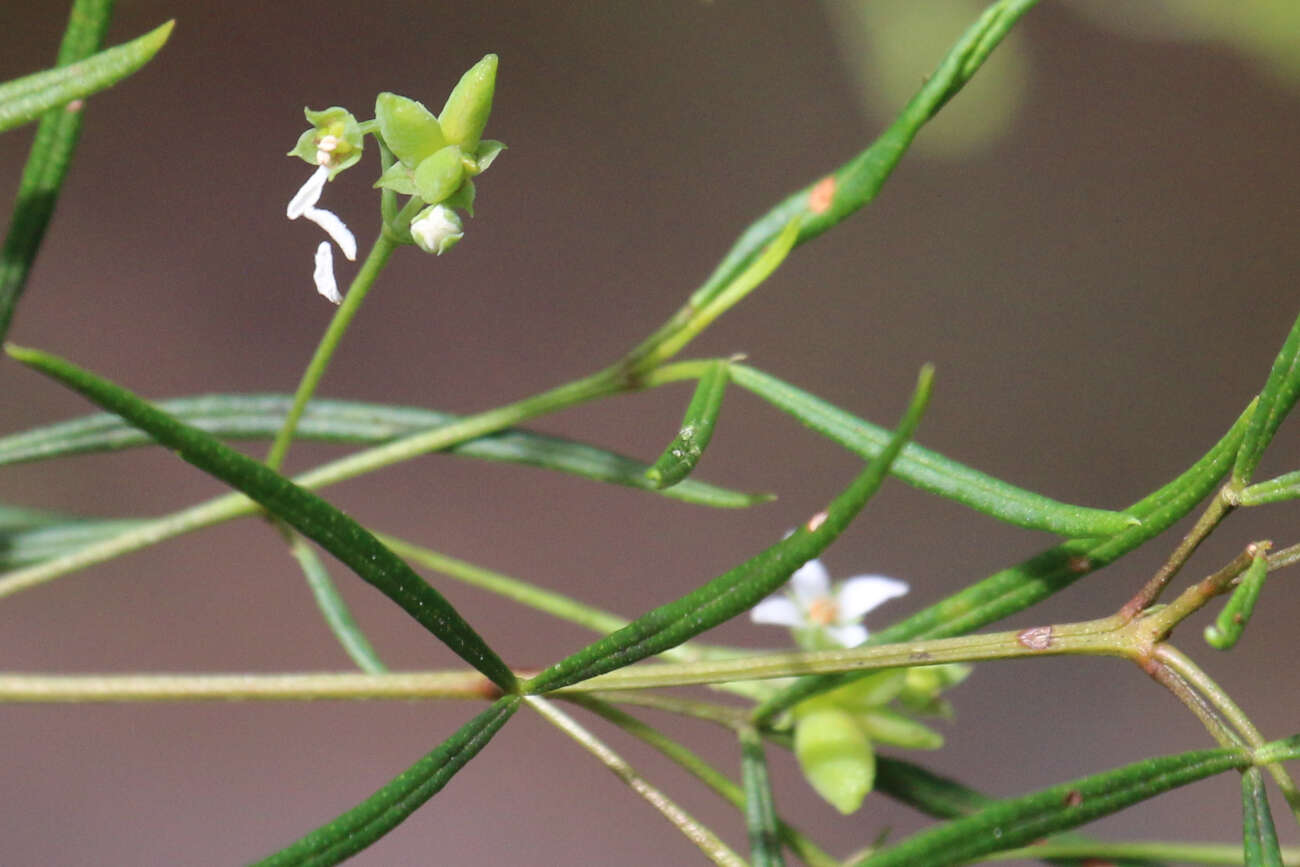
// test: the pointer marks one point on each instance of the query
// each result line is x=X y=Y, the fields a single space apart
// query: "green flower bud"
x=835 y=756
x=409 y=129
x=891 y=727
x=466 y=112
x=335 y=140
x=439 y=175
x=437 y=229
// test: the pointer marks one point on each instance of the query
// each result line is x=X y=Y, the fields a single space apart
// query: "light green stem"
x=1190 y=853
x=717 y=851
x=308 y=686
x=375 y=261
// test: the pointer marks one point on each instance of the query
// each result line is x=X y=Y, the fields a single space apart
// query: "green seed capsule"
x=409 y=129
x=1231 y=622
x=835 y=756
x=466 y=112
x=439 y=175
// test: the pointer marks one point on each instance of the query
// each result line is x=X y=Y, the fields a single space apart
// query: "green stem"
x=314 y=686
x=1216 y=511
x=1179 y=662
x=708 y=842
x=375 y=261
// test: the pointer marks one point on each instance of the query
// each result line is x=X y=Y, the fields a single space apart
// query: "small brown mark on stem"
x=1079 y=564
x=1035 y=638
x=75 y=106
x=919 y=656
x=1073 y=798
x=816 y=521
x=822 y=194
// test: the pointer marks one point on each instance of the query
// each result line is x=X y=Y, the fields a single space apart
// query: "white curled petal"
x=856 y=596
x=810 y=582
x=850 y=635
x=335 y=228
x=779 y=611
x=308 y=194
x=324 y=274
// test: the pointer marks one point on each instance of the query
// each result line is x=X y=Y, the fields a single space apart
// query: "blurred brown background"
x=1102 y=290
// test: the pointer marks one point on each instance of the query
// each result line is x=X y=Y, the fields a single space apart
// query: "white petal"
x=810 y=582
x=309 y=194
x=324 y=275
x=779 y=611
x=335 y=228
x=856 y=596
x=850 y=635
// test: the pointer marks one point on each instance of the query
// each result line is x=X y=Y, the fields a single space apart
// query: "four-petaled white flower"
x=303 y=204
x=812 y=604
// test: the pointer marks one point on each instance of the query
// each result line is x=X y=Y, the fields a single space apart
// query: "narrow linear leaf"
x=47 y=162
x=1018 y=587
x=25 y=99
x=1019 y=821
x=944 y=798
x=304 y=511
x=684 y=452
x=257 y=416
x=930 y=471
x=1278 y=490
x=28 y=536
x=1276 y=400
x=760 y=810
x=1259 y=837
x=1228 y=627
x=740 y=588
x=825 y=203
x=338 y=617
x=387 y=808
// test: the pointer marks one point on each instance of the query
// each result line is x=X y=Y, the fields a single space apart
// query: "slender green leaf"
x=387 y=808
x=1278 y=490
x=945 y=798
x=28 y=536
x=1016 y=588
x=1019 y=821
x=684 y=452
x=740 y=588
x=932 y=472
x=47 y=162
x=304 y=511
x=825 y=203
x=334 y=609
x=1231 y=622
x=25 y=99
x=1276 y=400
x=255 y=416
x=1258 y=834
x=760 y=810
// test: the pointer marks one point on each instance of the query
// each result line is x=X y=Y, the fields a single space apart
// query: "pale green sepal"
x=891 y=727
x=409 y=129
x=486 y=153
x=335 y=122
x=835 y=756
x=439 y=175
x=463 y=198
x=466 y=112
x=397 y=178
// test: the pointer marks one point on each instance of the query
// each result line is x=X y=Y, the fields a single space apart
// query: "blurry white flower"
x=812 y=604
x=303 y=204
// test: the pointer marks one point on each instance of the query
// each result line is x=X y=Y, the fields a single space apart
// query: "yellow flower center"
x=824 y=611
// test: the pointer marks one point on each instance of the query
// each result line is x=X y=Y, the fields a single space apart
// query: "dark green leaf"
x=1020 y=821
x=1258 y=834
x=1276 y=400
x=760 y=811
x=47 y=163
x=683 y=453
x=25 y=99
x=304 y=511
x=1018 y=587
x=740 y=588
x=250 y=416
x=932 y=472
x=385 y=809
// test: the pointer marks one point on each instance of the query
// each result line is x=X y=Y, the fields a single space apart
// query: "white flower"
x=811 y=603
x=303 y=204
x=437 y=229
